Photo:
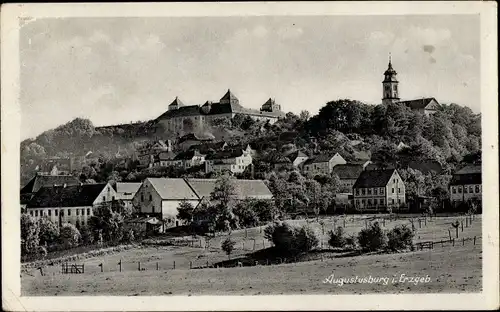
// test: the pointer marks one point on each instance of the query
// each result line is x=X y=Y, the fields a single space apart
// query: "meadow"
x=166 y=270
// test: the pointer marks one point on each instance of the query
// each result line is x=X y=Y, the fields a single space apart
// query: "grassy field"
x=450 y=268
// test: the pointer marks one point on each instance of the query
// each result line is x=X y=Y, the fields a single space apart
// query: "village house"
x=348 y=174
x=125 y=191
x=290 y=160
x=466 y=185
x=186 y=141
x=160 y=198
x=378 y=189
x=148 y=151
x=180 y=117
x=209 y=148
x=189 y=159
x=69 y=203
x=166 y=159
x=232 y=159
x=322 y=164
x=425 y=106
x=45 y=180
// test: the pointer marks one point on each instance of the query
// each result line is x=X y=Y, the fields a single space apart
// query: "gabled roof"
x=127 y=187
x=166 y=155
x=187 y=155
x=205 y=148
x=425 y=166
x=294 y=155
x=374 y=178
x=319 y=159
x=464 y=179
x=243 y=188
x=69 y=196
x=418 y=103
x=225 y=154
x=169 y=188
x=348 y=171
x=469 y=169
x=42 y=180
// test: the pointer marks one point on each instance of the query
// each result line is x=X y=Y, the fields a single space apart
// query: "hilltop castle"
x=191 y=117
x=390 y=93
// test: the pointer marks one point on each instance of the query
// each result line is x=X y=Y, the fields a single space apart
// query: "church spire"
x=390 y=84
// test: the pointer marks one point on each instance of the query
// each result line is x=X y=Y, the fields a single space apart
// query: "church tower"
x=390 y=85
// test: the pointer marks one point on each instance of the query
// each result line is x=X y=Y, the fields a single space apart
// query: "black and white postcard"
x=249 y=156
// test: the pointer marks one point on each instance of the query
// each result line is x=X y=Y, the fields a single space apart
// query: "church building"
x=390 y=93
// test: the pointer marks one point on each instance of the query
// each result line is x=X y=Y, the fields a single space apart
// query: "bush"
x=400 y=238
x=49 y=232
x=337 y=238
x=351 y=241
x=69 y=235
x=228 y=246
x=291 y=240
x=373 y=238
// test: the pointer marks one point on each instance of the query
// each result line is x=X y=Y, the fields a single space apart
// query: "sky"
x=122 y=69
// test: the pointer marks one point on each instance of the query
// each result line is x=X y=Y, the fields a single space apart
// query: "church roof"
x=390 y=74
x=418 y=103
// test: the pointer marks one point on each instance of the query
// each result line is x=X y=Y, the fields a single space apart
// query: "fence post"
x=174 y=264
x=139 y=265
x=101 y=266
x=157 y=266
x=190 y=264
x=456 y=231
x=120 y=264
x=474 y=240
x=207 y=263
x=449 y=233
x=462 y=225
x=344 y=221
x=453 y=242
x=419 y=223
x=254 y=244
x=83 y=268
x=463 y=241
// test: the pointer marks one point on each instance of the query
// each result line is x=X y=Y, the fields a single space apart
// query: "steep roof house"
x=426 y=106
x=378 y=189
x=466 y=185
x=125 y=191
x=322 y=164
x=69 y=204
x=348 y=174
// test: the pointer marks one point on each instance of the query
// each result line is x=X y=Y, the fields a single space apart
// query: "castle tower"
x=229 y=98
x=390 y=85
x=175 y=104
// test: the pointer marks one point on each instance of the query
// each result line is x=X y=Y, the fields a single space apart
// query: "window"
x=381 y=201
x=69 y=212
x=150 y=197
x=381 y=191
x=357 y=191
x=362 y=191
x=369 y=191
x=399 y=201
x=31 y=213
x=465 y=189
x=477 y=189
x=83 y=211
x=392 y=190
x=471 y=189
x=62 y=213
x=357 y=202
x=392 y=201
x=363 y=202
x=36 y=213
x=50 y=212
x=374 y=191
x=453 y=190
x=88 y=211
x=112 y=198
x=369 y=202
x=459 y=190
x=394 y=181
x=142 y=197
x=399 y=190
x=56 y=212
x=104 y=198
x=375 y=201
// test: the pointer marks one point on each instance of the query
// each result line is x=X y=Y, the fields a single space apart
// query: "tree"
x=228 y=246
x=337 y=238
x=69 y=235
x=372 y=238
x=222 y=199
x=185 y=211
x=30 y=231
x=49 y=232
